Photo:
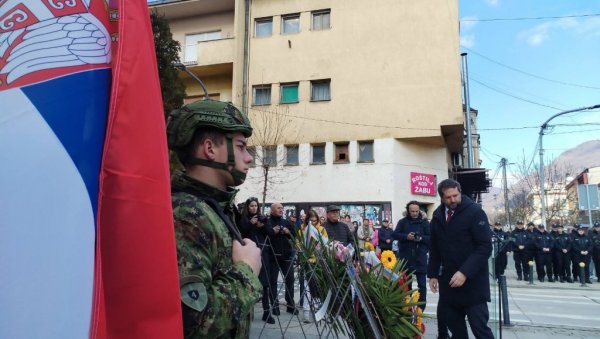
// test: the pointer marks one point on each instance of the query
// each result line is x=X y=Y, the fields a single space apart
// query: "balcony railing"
x=213 y=52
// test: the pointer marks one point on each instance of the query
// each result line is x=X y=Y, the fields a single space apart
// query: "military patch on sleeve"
x=193 y=292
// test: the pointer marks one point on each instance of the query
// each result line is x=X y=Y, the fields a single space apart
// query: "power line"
x=502 y=85
x=512 y=95
x=507 y=128
x=399 y=127
x=487 y=153
x=573 y=132
x=531 y=18
x=529 y=74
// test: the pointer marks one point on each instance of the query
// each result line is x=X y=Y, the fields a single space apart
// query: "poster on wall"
x=321 y=210
x=354 y=211
x=289 y=210
x=373 y=213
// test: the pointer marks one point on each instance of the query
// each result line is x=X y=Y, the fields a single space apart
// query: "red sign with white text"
x=422 y=183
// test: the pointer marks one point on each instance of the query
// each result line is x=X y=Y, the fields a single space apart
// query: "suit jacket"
x=464 y=245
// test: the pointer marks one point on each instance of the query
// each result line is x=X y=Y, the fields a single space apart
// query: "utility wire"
x=512 y=95
x=399 y=127
x=487 y=153
x=532 y=18
x=573 y=132
x=504 y=86
x=529 y=74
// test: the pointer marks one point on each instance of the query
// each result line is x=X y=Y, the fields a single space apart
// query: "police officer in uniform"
x=544 y=242
x=500 y=239
x=531 y=249
x=574 y=257
x=595 y=238
x=582 y=251
x=218 y=270
x=562 y=246
x=520 y=244
x=555 y=253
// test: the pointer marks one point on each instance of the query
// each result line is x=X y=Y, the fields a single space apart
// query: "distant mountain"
x=581 y=157
x=577 y=159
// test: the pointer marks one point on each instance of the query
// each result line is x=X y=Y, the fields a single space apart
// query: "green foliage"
x=387 y=300
x=167 y=54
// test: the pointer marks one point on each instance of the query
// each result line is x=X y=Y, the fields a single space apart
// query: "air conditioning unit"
x=457 y=160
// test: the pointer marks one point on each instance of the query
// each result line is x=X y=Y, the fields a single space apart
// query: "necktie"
x=449 y=216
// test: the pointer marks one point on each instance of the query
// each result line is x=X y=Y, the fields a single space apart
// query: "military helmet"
x=183 y=122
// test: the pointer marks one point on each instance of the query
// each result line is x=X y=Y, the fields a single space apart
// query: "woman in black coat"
x=252 y=226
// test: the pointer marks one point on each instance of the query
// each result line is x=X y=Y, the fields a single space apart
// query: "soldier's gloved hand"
x=249 y=254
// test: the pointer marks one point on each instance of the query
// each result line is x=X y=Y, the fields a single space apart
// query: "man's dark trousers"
x=285 y=264
x=477 y=315
x=521 y=263
x=543 y=262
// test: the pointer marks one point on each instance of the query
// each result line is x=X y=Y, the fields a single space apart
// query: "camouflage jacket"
x=217 y=296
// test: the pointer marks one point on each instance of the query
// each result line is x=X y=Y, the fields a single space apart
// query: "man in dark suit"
x=280 y=232
x=461 y=243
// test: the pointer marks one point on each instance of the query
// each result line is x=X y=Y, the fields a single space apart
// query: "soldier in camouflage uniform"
x=217 y=268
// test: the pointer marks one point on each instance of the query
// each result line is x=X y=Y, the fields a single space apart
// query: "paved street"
x=543 y=310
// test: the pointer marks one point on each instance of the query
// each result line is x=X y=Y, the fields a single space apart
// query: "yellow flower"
x=415 y=296
x=388 y=259
x=369 y=246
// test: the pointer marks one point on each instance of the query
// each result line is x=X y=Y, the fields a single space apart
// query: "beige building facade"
x=589 y=176
x=365 y=97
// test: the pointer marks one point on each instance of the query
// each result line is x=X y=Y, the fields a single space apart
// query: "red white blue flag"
x=86 y=239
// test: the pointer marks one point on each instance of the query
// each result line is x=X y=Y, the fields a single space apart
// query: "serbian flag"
x=86 y=243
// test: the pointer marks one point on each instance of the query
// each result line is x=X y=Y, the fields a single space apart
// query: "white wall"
x=385 y=180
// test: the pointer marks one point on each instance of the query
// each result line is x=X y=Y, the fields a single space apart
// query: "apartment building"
x=585 y=192
x=356 y=103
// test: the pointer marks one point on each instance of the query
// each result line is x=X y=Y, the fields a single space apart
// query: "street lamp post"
x=543 y=127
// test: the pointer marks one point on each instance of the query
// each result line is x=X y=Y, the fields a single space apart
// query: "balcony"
x=214 y=57
x=176 y=9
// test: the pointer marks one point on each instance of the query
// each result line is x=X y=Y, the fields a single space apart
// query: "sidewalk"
x=539 y=311
x=297 y=330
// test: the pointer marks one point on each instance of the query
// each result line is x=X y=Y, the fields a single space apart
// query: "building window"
x=261 y=95
x=289 y=93
x=341 y=153
x=191 y=44
x=263 y=27
x=320 y=20
x=291 y=155
x=290 y=23
x=252 y=152
x=320 y=90
x=365 y=151
x=318 y=154
x=269 y=156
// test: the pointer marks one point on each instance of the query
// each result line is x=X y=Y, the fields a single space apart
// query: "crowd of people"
x=228 y=260
x=275 y=237
x=558 y=255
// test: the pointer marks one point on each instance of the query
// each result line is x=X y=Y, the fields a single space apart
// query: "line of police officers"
x=553 y=252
